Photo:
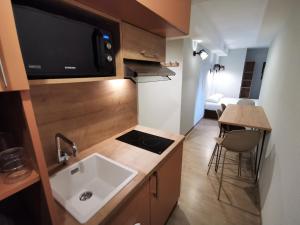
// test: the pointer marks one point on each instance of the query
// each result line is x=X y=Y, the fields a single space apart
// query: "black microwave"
x=54 y=46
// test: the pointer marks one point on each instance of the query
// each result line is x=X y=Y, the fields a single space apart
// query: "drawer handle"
x=3 y=74
x=137 y=224
x=145 y=54
x=154 y=178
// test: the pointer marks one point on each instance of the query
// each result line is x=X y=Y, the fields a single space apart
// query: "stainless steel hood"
x=143 y=71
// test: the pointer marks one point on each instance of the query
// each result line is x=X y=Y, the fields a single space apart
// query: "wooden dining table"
x=251 y=117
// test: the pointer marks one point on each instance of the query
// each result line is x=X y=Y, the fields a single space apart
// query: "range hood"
x=144 y=71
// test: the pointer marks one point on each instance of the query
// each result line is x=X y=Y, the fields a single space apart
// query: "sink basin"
x=86 y=186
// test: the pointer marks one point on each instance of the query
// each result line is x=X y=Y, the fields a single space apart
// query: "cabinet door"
x=135 y=211
x=176 y=13
x=165 y=187
x=151 y=15
x=12 y=71
x=142 y=45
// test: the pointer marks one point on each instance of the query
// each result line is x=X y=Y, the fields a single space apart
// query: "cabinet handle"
x=155 y=192
x=144 y=53
x=3 y=74
x=137 y=224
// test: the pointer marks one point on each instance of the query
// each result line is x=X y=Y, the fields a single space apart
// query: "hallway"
x=198 y=204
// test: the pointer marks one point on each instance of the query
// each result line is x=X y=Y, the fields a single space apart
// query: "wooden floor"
x=198 y=204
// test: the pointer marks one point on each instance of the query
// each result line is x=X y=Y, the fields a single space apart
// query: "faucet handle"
x=63 y=157
x=74 y=150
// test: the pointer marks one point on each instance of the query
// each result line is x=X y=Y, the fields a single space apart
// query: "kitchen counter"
x=144 y=162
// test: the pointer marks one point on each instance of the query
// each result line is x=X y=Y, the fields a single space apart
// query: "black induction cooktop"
x=146 y=141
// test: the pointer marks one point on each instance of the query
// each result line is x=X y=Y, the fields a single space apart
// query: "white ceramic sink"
x=85 y=187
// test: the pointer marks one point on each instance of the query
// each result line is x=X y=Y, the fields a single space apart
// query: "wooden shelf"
x=7 y=190
x=247 y=79
x=71 y=80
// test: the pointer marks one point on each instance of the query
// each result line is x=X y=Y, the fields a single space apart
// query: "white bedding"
x=214 y=106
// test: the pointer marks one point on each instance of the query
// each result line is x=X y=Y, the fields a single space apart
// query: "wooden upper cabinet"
x=12 y=72
x=166 y=18
x=142 y=45
x=175 y=12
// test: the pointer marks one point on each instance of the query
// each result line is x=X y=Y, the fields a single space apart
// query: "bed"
x=214 y=102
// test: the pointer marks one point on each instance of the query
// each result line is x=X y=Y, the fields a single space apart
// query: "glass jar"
x=14 y=164
x=6 y=141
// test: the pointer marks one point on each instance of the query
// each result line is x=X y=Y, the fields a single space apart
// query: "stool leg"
x=240 y=165
x=212 y=157
x=221 y=179
x=218 y=159
x=217 y=156
x=251 y=163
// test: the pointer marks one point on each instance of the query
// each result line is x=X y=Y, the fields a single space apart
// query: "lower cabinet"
x=135 y=211
x=153 y=203
x=165 y=188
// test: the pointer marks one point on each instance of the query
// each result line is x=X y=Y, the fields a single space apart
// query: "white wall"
x=195 y=72
x=259 y=56
x=280 y=94
x=202 y=27
x=176 y=105
x=228 y=82
x=159 y=103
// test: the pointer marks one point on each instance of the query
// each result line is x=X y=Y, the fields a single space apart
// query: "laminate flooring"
x=198 y=203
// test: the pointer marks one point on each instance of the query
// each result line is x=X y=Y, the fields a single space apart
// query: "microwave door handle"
x=99 y=48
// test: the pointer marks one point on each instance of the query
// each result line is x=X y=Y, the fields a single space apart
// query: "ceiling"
x=222 y=24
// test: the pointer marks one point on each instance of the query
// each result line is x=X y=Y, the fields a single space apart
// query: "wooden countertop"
x=144 y=162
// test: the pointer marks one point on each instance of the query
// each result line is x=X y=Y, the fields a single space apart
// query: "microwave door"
x=98 y=49
x=57 y=47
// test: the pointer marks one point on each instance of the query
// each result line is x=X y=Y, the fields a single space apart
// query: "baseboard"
x=190 y=130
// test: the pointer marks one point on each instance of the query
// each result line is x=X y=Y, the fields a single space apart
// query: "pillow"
x=215 y=98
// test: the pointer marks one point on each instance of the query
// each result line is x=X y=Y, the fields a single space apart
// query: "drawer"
x=142 y=45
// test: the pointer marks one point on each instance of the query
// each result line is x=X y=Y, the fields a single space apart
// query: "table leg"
x=260 y=155
x=256 y=158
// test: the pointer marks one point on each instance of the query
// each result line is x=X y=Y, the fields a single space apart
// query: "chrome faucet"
x=62 y=155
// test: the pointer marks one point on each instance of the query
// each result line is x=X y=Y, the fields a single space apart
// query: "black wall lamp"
x=217 y=68
x=203 y=54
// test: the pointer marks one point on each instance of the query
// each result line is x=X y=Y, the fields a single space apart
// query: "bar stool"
x=223 y=107
x=226 y=128
x=238 y=141
x=217 y=150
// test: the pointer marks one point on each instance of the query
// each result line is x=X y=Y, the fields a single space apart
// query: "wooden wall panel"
x=87 y=113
